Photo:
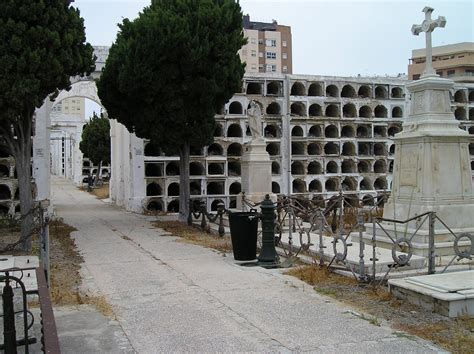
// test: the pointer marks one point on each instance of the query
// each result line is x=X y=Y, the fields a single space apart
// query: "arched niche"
x=298 y=89
x=348 y=91
x=315 y=168
x=315 y=186
x=272 y=131
x=153 y=189
x=315 y=110
x=297 y=131
x=254 y=88
x=315 y=89
x=332 y=91
x=173 y=189
x=235 y=108
x=364 y=91
x=298 y=186
x=273 y=108
x=297 y=168
x=234 y=131
x=234 y=149
x=235 y=188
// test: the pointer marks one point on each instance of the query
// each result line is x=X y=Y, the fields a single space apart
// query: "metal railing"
x=341 y=218
x=49 y=337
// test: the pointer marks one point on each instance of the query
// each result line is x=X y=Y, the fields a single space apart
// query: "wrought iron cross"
x=428 y=26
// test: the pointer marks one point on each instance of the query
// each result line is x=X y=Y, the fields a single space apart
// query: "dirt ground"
x=65 y=263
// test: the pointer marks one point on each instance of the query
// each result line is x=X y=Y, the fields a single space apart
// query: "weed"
x=325 y=291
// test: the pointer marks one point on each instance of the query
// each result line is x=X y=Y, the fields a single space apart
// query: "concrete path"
x=174 y=297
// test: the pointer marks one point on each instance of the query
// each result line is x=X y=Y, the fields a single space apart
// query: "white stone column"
x=137 y=181
x=41 y=151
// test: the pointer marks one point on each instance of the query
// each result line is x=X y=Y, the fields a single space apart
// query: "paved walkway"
x=174 y=297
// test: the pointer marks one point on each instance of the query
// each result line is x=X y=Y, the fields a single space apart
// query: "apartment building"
x=453 y=61
x=268 y=48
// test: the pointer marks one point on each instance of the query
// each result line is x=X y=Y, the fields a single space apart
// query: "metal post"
x=190 y=215
x=44 y=244
x=360 y=221
x=220 y=212
x=203 y=214
x=46 y=251
x=431 y=256
x=321 y=246
x=374 y=258
x=9 y=333
x=290 y=228
x=268 y=256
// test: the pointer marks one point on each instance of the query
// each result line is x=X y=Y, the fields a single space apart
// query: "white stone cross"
x=428 y=26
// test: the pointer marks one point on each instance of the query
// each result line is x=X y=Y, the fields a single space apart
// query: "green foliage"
x=95 y=142
x=171 y=69
x=42 y=44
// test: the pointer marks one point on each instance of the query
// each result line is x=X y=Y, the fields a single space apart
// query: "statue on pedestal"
x=254 y=114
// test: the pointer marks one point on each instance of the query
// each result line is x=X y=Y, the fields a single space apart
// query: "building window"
x=253 y=40
x=450 y=73
x=270 y=42
x=254 y=67
x=416 y=77
x=253 y=53
x=284 y=44
x=271 y=68
x=260 y=68
x=439 y=72
x=271 y=55
x=260 y=54
x=260 y=41
x=285 y=68
x=284 y=56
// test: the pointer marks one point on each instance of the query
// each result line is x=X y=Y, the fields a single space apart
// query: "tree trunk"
x=23 y=169
x=97 y=175
x=184 y=182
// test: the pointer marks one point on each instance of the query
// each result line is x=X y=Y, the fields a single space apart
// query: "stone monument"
x=256 y=165
x=431 y=168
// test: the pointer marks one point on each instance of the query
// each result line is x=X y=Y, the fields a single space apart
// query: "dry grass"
x=65 y=263
x=455 y=335
x=194 y=236
x=101 y=192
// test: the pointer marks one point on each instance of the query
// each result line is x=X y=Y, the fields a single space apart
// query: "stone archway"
x=66 y=131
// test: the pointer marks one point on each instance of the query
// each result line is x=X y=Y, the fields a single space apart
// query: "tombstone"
x=256 y=173
x=431 y=169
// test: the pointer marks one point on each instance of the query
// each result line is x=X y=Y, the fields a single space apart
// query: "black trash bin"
x=243 y=232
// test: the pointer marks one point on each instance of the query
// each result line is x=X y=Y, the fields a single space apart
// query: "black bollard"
x=268 y=257
x=9 y=333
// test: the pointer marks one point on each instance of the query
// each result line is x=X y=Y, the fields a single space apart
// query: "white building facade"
x=324 y=135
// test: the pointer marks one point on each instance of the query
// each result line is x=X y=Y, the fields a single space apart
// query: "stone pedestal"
x=256 y=170
x=431 y=171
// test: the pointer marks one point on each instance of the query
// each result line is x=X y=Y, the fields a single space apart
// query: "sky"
x=338 y=37
x=342 y=38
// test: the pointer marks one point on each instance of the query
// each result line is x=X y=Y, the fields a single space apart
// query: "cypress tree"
x=170 y=70
x=42 y=44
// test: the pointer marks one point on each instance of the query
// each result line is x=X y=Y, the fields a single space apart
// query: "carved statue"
x=254 y=114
